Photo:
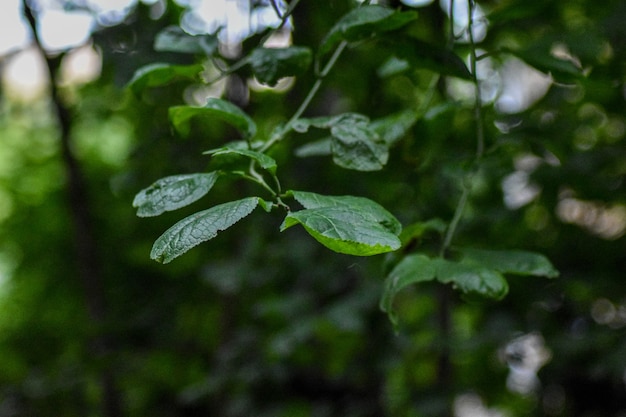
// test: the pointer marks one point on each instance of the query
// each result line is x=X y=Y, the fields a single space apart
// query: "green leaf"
x=356 y=146
x=411 y=269
x=233 y=162
x=174 y=39
x=267 y=205
x=200 y=227
x=171 y=193
x=516 y=11
x=271 y=64
x=562 y=70
x=420 y=54
x=362 y=23
x=417 y=230
x=159 y=74
x=266 y=162
x=389 y=129
x=394 y=127
x=303 y=124
x=511 y=262
x=439 y=59
x=216 y=108
x=354 y=143
x=368 y=209
x=344 y=230
x=320 y=147
x=393 y=66
x=472 y=279
x=468 y=277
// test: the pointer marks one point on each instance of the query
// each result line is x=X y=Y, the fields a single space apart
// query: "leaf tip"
x=158 y=257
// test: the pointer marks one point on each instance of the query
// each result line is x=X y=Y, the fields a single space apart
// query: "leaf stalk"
x=480 y=133
x=307 y=100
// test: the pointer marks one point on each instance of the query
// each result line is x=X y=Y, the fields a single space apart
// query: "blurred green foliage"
x=262 y=323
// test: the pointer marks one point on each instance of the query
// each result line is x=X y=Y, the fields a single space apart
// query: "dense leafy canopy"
x=429 y=168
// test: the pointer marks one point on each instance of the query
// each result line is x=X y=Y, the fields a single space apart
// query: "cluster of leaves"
x=479 y=271
x=344 y=224
x=351 y=225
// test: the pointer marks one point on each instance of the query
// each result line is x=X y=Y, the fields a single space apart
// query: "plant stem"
x=276 y=9
x=258 y=179
x=227 y=71
x=454 y=223
x=444 y=296
x=329 y=65
x=307 y=100
x=444 y=376
x=283 y=19
x=244 y=61
x=480 y=136
x=428 y=96
x=444 y=322
x=452 y=35
x=478 y=104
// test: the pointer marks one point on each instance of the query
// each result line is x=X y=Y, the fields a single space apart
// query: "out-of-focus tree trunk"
x=88 y=266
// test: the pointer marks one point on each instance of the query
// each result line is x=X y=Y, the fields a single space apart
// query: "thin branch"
x=480 y=136
x=444 y=293
x=258 y=179
x=331 y=63
x=276 y=9
x=430 y=94
x=452 y=35
x=225 y=72
x=307 y=100
x=444 y=366
x=454 y=223
x=489 y=54
x=288 y=13
x=478 y=104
